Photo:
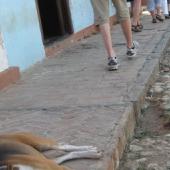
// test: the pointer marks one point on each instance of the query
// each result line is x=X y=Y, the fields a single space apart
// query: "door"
x=55 y=19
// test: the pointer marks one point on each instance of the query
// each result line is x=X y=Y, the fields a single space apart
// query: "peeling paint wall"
x=82 y=13
x=19 y=24
x=3 y=57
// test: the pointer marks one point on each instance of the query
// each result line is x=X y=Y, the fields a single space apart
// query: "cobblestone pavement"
x=73 y=98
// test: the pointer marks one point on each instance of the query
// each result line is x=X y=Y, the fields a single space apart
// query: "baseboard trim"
x=9 y=76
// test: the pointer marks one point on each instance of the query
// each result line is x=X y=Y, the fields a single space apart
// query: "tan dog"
x=25 y=151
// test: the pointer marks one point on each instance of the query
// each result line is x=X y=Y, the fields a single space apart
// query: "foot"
x=112 y=64
x=154 y=20
x=131 y=52
x=140 y=26
x=136 y=28
x=160 y=18
x=167 y=17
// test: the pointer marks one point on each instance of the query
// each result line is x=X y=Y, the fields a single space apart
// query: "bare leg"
x=153 y=14
x=158 y=10
x=136 y=12
x=126 y=27
x=79 y=155
x=106 y=34
x=159 y=15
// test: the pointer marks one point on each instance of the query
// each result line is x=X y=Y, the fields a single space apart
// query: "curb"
x=137 y=92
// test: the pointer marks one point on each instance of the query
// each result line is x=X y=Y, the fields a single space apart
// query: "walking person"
x=154 y=7
x=165 y=9
x=136 y=10
x=101 y=13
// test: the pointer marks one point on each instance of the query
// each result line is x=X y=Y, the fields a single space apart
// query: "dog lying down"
x=25 y=151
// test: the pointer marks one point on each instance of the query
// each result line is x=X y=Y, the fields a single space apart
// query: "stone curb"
x=137 y=93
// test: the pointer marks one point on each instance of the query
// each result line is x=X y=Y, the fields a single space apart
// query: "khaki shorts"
x=101 y=10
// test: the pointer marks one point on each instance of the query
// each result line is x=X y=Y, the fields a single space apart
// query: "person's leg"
x=106 y=34
x=112 y=57
x=136 y=22
x=151 y=8
x=158 y=10
x=153 y=16
x=101 y=12
x=164 y=5
x=136 y=12
x=124 y=17
x=126 y=27
x=158 y=6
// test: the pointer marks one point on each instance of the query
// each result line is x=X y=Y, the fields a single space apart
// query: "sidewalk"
x=73 y=98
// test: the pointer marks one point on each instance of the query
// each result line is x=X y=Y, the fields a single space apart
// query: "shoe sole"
x=132 y=56
x=113 y=68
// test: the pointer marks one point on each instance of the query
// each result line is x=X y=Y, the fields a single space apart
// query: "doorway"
x=55 y=19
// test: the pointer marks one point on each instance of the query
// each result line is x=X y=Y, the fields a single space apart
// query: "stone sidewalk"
x=73 y=98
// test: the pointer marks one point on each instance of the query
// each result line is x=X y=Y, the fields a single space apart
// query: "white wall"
x=22 y=39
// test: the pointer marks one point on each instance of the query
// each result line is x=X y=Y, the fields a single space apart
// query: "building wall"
x=19 y=25
x=22 y=44
x=3 y=56
x=82 y=14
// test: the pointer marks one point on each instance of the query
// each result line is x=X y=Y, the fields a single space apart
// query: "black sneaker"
x=154 y=20
x=160 y=18
x=167 y=16
x=112 y=64
x=131 y=52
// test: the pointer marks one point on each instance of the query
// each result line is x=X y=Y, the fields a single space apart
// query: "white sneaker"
x=131 y=52
x=112 y=64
